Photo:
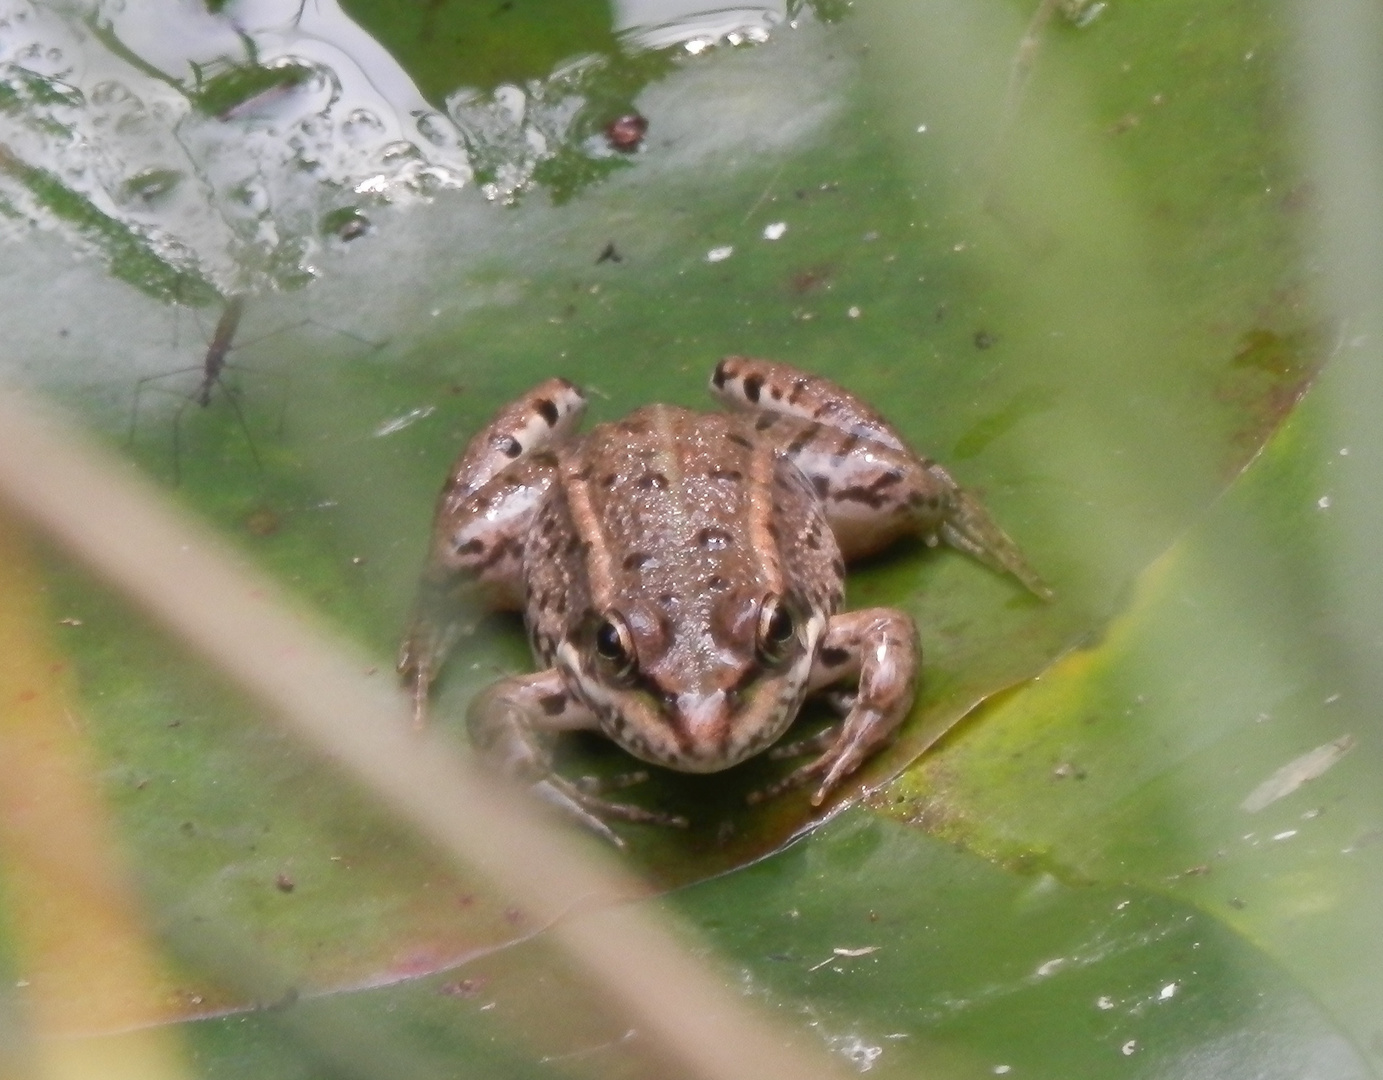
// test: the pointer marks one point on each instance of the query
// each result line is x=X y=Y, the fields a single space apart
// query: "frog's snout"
x=704 y=717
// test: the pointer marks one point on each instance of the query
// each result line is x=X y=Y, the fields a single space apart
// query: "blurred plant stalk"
x=234 y=617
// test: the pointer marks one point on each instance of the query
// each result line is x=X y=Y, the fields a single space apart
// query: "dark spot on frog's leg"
x=548 y=411
x=510 y=446
x=573 y=544
x=838 y=566
x=608 y=480
x=799 y=441
x=584 y=474
x=821 y=485
x=849 y=445
x=739 y=440
x=553 y=704
x=752 y=385
x=888 y=479
x=765 y=421
x=718 y=376
x=834 y=657
x=799 y=387
x=860 y=495
x=655 y=480
x=635 y=560
x=512 y=548
x=470 y=547
x=715 y=583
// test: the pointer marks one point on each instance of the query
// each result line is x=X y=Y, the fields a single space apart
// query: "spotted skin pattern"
x=681 y=577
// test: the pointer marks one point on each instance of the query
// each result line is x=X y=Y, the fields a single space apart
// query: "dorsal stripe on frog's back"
x=598 y=560
x=763 y=537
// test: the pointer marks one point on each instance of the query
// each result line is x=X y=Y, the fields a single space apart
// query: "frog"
x=681 y=577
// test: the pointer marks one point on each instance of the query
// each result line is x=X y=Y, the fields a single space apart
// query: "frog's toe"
x=969 y=528
x=594 y=812
x=600 y=785
x=811 y=744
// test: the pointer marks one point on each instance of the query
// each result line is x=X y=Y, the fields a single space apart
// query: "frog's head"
x=700 y=684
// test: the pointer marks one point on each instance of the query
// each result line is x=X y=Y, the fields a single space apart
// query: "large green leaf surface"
x=1081 y=289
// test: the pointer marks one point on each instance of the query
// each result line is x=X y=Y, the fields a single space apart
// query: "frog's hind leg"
x=875 y=489
x=744 y=384
x=482 y=517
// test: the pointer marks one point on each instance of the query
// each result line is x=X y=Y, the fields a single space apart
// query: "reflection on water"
x=659 y=24
x=230 y=146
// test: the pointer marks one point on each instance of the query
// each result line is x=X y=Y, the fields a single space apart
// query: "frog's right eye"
x=614 y=644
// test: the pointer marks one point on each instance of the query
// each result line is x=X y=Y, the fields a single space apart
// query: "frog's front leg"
x=511 y=723
x=873 y=487
x=879 y=649
x=481 y=520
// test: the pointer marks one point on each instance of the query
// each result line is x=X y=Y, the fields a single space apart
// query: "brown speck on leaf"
x=284 y=884
x=262 y=522
x=810 y=279
x=625 y=133
x=985 y=340
x=462 y=988
x=1125 y=123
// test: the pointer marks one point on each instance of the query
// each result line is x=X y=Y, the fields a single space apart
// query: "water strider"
x=681 y=576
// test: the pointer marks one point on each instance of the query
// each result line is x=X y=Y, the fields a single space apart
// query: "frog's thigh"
x=482 y=536
x=545 y=415
x=872 y=494
x=748 y=385
x=881 y=647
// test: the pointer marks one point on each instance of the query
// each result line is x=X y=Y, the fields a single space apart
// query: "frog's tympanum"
x=681 y=576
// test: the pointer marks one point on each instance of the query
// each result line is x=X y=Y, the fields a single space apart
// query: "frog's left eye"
x=777 y=628
x=614 y=644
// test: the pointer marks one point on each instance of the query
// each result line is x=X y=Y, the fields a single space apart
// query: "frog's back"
x=675 y=508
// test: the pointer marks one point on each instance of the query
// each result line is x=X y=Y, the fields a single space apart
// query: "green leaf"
x=1086 y=299
x=1213 y=746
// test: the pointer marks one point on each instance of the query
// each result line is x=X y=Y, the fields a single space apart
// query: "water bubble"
x=434 y=129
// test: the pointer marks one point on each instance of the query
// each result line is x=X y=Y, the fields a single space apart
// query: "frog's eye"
x=777 y=628
x=614 y=644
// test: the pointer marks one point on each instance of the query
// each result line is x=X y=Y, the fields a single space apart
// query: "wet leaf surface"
x=1214 y=747
x=1091 y=307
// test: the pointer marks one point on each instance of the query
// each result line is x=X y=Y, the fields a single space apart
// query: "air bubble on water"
x=432 y=128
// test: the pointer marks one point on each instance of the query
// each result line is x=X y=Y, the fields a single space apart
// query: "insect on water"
x=215 y=363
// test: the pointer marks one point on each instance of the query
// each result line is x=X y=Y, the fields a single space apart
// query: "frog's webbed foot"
x=432 y=631
x=509 y=724
x=968 y=527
